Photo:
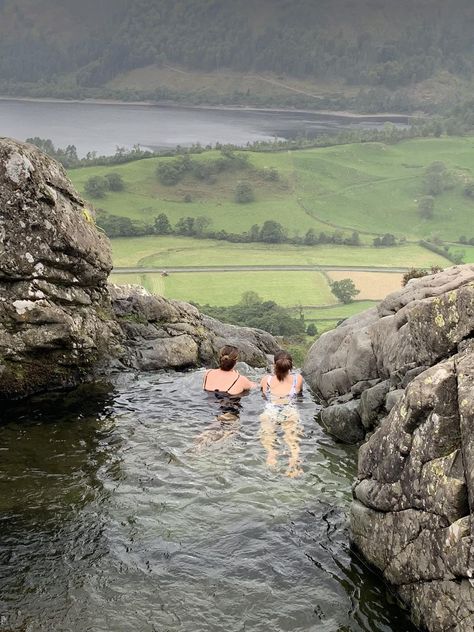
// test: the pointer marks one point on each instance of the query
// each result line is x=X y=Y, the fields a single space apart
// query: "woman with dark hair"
x=227 y=384
x=226 y=379
x=286 y=385
x=280 y=391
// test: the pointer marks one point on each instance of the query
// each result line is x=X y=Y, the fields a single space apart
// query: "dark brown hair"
x=228 y=357
x=283 y=364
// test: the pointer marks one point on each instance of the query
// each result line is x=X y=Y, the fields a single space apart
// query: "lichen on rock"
x=413 y=385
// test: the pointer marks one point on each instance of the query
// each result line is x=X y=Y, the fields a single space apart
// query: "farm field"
x=162 y=252
x=369 y=187
x=467 y=250
x=371 y=285
x=226 y=288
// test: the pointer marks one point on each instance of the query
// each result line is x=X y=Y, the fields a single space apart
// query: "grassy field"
x=467 y=250
x=372 y=187
x=226 y=288
x=162 y=252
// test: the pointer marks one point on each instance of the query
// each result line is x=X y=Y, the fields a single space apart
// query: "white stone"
x=23 y=306
x=18 y=168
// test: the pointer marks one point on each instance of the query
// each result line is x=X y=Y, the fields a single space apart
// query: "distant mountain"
x=389 y=43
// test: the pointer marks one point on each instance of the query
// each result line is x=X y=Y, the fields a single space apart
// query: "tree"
x=96 y=186
x=162 y=225
x=244 y=193
x=311 y=238
x=426 y=207
x=311 y=330
x=201 y=224
x=436 y=178
x=185 y=226
x=115 y=181
x=344 y=290
x=272 y=232
x=250 y=298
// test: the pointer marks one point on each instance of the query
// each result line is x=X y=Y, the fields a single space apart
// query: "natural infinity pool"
x=114 y=518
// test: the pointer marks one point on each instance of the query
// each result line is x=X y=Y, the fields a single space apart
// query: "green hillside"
x=373 y=188
x=89 y=48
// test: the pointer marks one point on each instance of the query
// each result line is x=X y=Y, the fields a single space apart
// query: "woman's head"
x=228 y=357
x=283 y=364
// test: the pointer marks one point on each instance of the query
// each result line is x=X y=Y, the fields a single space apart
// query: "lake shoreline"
x=342 y=114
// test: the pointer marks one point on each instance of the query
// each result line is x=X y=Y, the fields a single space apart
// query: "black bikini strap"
x=205 y=380
x=234 y=382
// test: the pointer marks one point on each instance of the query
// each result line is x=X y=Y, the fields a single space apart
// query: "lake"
x=104 y=127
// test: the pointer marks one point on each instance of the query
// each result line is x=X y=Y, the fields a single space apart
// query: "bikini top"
x=292 y=392
x=216 y=390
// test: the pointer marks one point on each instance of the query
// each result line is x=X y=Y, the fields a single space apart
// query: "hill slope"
x=360 y=42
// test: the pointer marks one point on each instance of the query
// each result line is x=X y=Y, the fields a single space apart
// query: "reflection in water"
x=111 y=521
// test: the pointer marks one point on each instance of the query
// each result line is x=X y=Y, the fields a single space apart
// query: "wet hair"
x=228 y=357
x=283 y=364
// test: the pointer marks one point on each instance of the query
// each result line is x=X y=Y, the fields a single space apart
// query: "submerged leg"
x=292 y=437
x=268 y=438
x=217 y=433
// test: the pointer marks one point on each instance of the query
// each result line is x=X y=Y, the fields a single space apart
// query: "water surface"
x=104 y=127
x=112 y=519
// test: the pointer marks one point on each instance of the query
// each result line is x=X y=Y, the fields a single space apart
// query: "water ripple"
x=114 y=516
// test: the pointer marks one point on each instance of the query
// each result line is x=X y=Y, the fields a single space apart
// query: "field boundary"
x=283 y=268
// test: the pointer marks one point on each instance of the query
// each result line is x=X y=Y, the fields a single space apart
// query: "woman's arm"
x=299 y=383
x=247 y=384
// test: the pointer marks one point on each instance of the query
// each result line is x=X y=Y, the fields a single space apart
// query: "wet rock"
x=343 y=422
x=412 y=514
x=372 y=404
x=392 y=399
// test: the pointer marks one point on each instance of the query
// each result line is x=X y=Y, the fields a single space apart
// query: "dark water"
x=101 y=128
x=111 y=519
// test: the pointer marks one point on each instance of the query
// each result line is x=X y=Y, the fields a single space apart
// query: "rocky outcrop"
x=59 y=320
x=160 y=333
x=55 y=313
x=407 y=367
x=373 y=356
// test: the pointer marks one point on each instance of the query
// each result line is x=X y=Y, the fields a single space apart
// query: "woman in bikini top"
x=226 y=383
x=226 y=379
x=282 y=387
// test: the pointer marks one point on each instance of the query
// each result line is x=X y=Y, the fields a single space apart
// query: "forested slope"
x=361 y=42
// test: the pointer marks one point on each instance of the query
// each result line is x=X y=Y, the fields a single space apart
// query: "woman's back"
x=284 y=385
x=230 y=382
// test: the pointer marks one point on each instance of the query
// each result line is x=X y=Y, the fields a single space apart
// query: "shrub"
x=244 y=193
x=344 y=290
x=96 y=187
x=418 y=273
x=115 y=181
